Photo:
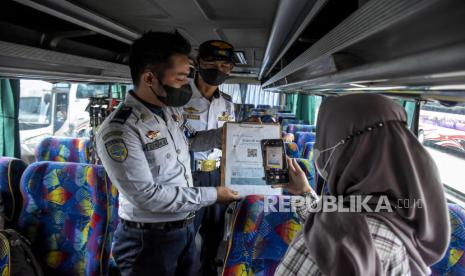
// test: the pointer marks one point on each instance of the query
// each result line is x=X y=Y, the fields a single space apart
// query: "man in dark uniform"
x=146 y=155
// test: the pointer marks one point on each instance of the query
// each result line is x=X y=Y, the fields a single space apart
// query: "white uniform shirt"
x=205 y=115
x=147 y=159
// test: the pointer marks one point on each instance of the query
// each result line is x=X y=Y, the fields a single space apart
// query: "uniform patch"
x=117 y=150
x=156 y=144
x=122 y=115
x=112 y=133
x=191 y=109
x=152 y=134
x=191 y=117
x=225 y=117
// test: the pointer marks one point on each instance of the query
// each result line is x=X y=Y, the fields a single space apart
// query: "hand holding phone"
x=274 y=161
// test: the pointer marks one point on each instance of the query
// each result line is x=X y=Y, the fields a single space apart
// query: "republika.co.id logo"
x=343 y=204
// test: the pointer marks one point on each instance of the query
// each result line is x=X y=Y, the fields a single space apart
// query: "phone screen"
x=274 y=157
x=274 y=161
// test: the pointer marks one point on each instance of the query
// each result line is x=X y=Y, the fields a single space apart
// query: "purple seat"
x=293 y=128
x=309 y=169
x=307 y=152
x=69 y=215
x=453 y=262
x=304 y=137
x=260 y=237
x=287 y=122
x=292 y=150
x=11 y=170
x=63 y=149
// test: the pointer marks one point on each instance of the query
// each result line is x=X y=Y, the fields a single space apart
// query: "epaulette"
x=226 y=96
x=122 y=115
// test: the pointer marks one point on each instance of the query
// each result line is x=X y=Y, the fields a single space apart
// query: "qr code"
x=251 y=152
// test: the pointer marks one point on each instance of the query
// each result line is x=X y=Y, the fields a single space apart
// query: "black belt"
x=159 y=225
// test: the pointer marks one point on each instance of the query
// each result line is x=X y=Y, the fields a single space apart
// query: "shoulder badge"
x=117 y=150
x=122 y=115
x=226 y=96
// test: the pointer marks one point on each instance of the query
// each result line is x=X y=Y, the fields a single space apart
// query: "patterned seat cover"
x=63 y=149
x=69 y=215
x=260 y=237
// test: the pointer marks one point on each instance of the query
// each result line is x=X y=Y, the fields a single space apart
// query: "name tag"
x=192 y=117
x=156 y=144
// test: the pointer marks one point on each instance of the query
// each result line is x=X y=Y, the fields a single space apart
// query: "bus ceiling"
x=304 y=46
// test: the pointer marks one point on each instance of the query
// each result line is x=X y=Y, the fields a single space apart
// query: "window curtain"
x=232 y=90
x=305 y=107
x=250 y=94
x=291 y=102
x=9 y=124
x=409 y=107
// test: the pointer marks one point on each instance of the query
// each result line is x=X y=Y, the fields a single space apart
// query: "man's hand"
x=226 y=195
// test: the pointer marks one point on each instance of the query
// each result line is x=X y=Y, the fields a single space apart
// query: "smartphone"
x=274 y=161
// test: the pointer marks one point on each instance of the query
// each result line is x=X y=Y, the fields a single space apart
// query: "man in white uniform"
x=209 y=109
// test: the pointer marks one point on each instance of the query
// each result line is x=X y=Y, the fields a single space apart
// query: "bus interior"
x=64 y=68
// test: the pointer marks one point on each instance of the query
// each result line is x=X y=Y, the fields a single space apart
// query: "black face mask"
x=174 y=96
x=212 y=76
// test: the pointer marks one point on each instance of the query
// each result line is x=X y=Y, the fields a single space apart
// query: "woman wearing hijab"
x=364 y=148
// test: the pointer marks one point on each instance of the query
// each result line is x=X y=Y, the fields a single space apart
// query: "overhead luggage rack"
x=391 y=42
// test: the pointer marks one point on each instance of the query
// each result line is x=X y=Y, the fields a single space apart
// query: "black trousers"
x=209 y=221
x=141 y=252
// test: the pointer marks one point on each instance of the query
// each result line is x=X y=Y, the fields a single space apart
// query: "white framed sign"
x=242 y=162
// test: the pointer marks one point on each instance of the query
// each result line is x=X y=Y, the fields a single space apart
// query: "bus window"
x=61 y=110
x=58 y=109
x=442 y=132
x=409 y=107
x=35 y=105
x=92 y=90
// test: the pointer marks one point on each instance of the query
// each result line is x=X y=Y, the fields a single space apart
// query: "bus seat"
x=293 y=128
x=268 y=119
x=285 y=122
x=282 y=116
x=292 y=150
x=245 y=111
x=259 y=238
x=63 y=149
x=69 y=216
x=303 y=137
x=307 y=152
x=11 y=170
x=453 y=262
x=309 y=169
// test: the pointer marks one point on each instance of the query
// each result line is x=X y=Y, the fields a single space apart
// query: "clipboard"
x=242 y=162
